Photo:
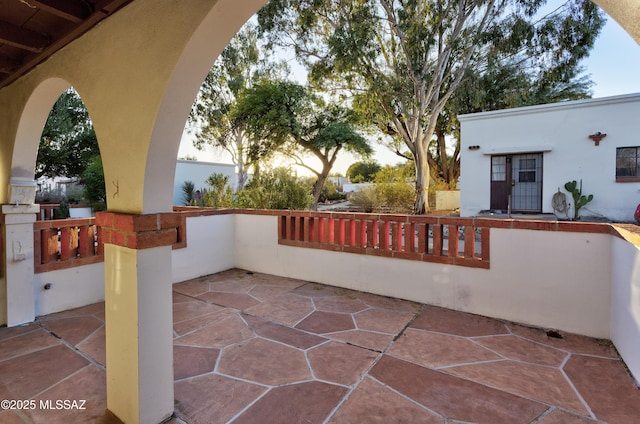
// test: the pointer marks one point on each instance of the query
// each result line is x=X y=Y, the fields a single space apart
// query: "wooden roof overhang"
x=32 y=30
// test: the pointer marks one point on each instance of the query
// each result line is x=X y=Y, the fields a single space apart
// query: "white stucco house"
x=198 y=172
x=524 y=155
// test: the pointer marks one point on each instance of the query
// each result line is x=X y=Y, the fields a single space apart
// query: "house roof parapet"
x=573 y=104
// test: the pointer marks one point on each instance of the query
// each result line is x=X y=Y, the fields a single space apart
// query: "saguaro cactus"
x=578 y=199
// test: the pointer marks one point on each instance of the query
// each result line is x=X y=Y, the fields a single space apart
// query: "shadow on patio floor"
x=256 y=348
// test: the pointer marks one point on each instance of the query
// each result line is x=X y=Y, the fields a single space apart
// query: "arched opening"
x=68 y=169
x=32 y=120
x=212 y=35
x=220 y=24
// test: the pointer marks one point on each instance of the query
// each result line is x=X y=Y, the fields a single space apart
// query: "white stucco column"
x=18 y=258
x=139 y=331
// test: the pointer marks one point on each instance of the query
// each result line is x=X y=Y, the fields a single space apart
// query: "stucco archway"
x=138 y=73
x=32 y=120
x=210 y=38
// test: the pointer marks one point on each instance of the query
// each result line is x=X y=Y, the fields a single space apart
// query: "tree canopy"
x=363 y=171
x=68 y=141
x=238 y=68
x=402 y=62
x=289 y=118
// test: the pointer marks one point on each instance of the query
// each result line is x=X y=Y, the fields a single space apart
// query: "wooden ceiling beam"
x=109 y=6
x=102 y=9
x=74 y=11
x=22 y=38
x=8 y=65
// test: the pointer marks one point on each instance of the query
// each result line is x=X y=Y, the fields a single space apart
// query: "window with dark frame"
x=628 y=164
x=527 y=172
x=498 y=168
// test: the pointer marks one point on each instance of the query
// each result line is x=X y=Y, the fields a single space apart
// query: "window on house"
x=498 y=168
x=527 y=172
x=628 y=164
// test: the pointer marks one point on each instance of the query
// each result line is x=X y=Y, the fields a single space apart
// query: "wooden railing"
x=455 y=241
x=65 y=243
x=47 y=211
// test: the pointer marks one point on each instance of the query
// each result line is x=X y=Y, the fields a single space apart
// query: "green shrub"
x=396 y=197
x=366 y=199
x=395 y=188
x=277 y=189
x=330 y=192
x=363 y=171
x=92 y=178
x=221 y=194
x=188 y=192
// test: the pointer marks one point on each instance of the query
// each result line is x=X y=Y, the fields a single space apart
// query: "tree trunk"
x=421 y=205
x=242 y=176
x=240 y=142
x=317 y=190
x=442 y=149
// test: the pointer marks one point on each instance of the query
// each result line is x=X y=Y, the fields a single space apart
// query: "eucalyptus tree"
x=401 y=61
x=288 y=118
x=239 y=66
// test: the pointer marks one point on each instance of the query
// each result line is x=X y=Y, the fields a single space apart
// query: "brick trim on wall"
x=162 y=229
x=139 y=231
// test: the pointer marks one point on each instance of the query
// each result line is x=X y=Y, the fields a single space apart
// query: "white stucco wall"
x=625 y=302
x=210 y=241
x=562 y=131
x=584 y=283
x=70 y=288
x=571 y=292
x=447 y=199
x=198 y=172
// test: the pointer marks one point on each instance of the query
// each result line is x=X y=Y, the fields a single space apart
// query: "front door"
x=520 y=176
x=500 y=182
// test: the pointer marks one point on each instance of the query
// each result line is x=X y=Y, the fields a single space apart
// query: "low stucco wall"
x=210 y=241
x=570 y=292
x=447 y=199
x=70 y=288
x=584 y=283
x=625 y=302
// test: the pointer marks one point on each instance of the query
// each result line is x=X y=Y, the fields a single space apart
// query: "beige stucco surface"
x=138 y=72
x=625 y=12
x=124 y=69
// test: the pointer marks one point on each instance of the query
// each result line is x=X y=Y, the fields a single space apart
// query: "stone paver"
x=340 y=363
x=73 y=329
x=326 y=322
x=283 y=334
x=436 y=350
x=256 y=348
x=189 y=361
x=25 y=376
x=223 y=333
x=537 y=382
x=519 y=349
x=287 y=309
x=454 y=397
x=457 y=323
x=366 y=339
x=265 y=362
x=94 y=346
x=308 y=402
x=609 y=398
x=213 y=399
x=371 y=402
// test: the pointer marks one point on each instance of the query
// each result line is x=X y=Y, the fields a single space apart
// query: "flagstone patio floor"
x=256 y=348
